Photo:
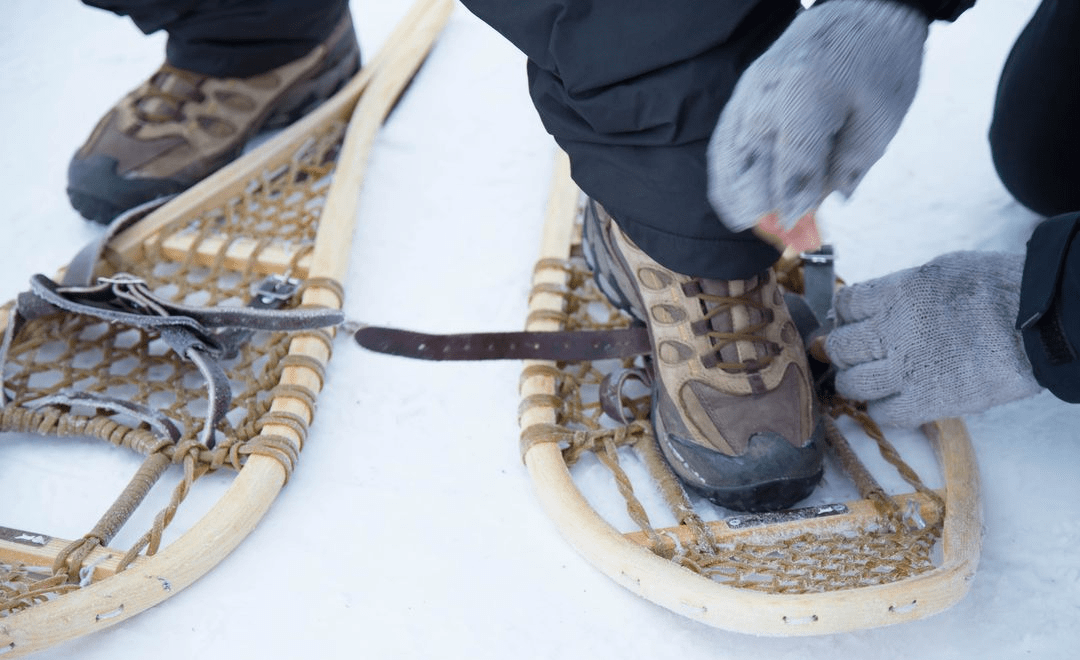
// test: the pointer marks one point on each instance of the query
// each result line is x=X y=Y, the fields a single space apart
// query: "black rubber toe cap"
x=770 y=476
x=98 y=193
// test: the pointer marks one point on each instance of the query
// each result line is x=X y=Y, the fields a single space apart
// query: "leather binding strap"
x=566 y=346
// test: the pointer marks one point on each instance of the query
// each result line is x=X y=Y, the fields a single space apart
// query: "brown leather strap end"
x=562 y=346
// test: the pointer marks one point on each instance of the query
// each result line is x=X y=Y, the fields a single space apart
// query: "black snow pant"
x=233 y=38
x=632 y=90
x=1035 y=133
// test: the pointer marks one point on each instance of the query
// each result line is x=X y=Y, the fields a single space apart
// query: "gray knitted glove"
x=815 y=111
x=935 y=341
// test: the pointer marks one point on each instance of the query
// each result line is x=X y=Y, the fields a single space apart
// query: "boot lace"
x=714 y=305
x=163 y=98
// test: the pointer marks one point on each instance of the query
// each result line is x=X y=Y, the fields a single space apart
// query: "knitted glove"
x=935 y=341
x=815 y=111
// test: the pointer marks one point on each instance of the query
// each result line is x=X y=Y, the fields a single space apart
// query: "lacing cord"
x=721 y=340
x=172 y=100
x=125 y=299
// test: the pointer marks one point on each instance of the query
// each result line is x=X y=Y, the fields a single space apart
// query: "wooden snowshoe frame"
x=872 y=562
x=287 y=208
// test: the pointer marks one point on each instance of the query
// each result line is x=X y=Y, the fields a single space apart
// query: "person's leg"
x=632 y=90
x=1035 y=133
x=232 y=69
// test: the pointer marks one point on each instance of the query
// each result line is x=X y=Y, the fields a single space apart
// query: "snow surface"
x=410 y=529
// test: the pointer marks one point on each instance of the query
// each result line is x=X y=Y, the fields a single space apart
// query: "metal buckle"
x=274 y=291
x=819 y=280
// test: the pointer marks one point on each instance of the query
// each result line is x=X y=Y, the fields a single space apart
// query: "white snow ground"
x=410 y=529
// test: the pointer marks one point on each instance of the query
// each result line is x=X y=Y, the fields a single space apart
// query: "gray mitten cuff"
x=939 y=10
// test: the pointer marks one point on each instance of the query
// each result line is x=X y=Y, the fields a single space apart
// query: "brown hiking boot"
x=179 y=126
x=733 y=407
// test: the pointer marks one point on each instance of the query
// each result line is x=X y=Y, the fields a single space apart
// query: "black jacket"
x=1049 y=315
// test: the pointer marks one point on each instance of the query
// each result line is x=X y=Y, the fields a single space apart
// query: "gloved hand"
x=815 y=111
x=935 y=341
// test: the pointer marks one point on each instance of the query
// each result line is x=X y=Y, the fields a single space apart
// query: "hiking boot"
x=180 y=126
x=732 y=405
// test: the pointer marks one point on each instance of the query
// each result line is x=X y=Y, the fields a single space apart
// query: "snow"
x=410 y=528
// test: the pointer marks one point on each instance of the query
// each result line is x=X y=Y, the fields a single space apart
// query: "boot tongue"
x=734 y=317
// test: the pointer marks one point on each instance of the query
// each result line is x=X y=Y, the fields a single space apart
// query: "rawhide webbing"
x=202 y=335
